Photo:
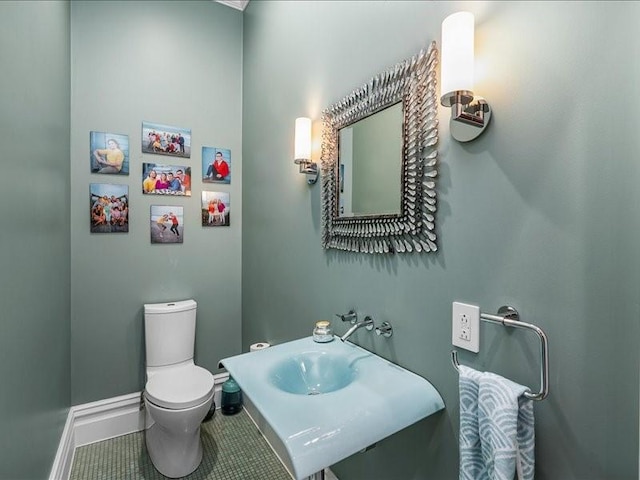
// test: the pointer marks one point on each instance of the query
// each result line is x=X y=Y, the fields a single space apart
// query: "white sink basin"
x=319 y=403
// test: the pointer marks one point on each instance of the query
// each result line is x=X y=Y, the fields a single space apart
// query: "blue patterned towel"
x=471 y=464
x=496 y=428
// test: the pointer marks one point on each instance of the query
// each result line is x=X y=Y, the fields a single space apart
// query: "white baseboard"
x=61 y=468
x=97 y=421
x=113 y=417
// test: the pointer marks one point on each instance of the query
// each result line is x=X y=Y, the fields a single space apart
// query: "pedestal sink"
x=319 y=403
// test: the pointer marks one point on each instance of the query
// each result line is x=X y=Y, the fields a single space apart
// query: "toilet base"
x=170 y=461
x=173 y=438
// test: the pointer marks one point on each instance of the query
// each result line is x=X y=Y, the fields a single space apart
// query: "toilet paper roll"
x=259 y=346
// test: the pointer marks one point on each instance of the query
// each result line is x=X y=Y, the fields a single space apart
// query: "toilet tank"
x=169 y=332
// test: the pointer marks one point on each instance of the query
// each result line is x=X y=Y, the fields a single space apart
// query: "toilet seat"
x=180 y=388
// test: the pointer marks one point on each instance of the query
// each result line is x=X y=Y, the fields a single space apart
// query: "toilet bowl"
x=178 y=394
x=176 y=402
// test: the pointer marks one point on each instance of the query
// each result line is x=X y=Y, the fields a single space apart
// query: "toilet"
x=178 y=394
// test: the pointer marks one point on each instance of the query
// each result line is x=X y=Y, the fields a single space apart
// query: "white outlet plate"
x=465 y=326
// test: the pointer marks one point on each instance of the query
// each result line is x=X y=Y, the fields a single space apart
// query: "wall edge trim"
x=104 y=419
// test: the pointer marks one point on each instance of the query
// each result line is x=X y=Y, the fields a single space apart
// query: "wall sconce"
x=302 y=151
x=468 y=118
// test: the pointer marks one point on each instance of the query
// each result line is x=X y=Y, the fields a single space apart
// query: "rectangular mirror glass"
x=370 y=153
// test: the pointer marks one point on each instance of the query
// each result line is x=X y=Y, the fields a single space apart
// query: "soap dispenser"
x=231 y=397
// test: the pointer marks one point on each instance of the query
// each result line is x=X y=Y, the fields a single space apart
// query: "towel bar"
x=509 y=317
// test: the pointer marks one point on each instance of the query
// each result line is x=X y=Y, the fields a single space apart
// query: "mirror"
x=370 y=155
x=379 y=158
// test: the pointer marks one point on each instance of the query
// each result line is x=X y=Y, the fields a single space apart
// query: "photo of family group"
x=166 y=140
x=166 y=179
x=109 y=153
x=109 y=203
x=216 y=209
x=216 y=165
x=109 y=208
x=166 y=224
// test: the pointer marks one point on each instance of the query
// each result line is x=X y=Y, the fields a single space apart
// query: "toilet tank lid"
x=170 y=307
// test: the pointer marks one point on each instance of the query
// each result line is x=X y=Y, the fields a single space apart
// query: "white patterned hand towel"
x=503 y=444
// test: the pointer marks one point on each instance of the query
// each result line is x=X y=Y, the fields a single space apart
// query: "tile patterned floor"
x=233 y=447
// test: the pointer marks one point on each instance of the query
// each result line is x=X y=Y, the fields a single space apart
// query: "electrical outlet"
x=465 y=326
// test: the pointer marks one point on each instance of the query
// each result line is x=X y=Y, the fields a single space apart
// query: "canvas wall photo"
x=109 y=208
x=216 y=209
x=166 y=140
x=160 y=179
x=216 y=165
x=109 y=153
x=166 y=224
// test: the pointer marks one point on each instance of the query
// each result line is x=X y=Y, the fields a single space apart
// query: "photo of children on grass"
x=109 y=208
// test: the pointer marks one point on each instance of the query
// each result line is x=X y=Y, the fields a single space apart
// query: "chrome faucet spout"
x=366 y=323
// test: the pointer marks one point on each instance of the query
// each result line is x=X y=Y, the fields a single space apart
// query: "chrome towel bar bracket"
x=509 y=317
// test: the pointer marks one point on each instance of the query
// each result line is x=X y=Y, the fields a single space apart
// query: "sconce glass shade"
x=457 y=53
x=302 y=150
x=468 y=120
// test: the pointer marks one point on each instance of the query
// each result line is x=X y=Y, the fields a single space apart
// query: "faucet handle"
x=350 y=316
x=386 y=330
x=368 y=323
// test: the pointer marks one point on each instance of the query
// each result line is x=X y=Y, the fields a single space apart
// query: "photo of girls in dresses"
x=216 y=165
x=109 y=208
x=166 y=179
x=109 y=153
x=166 y=140
x=216 y=209
x=166 y=224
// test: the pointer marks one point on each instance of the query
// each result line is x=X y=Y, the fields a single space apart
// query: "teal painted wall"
x=34 y=260
x=540 y=213
x=176 y=63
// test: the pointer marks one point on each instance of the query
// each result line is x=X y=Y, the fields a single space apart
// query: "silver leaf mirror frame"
x=414 y=83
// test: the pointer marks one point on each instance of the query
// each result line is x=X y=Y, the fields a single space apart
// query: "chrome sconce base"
x=309 y=168
x=468 y=118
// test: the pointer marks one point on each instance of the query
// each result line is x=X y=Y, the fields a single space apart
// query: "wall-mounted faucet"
x=350 y=316
x=366 y=323
x=386 y=330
